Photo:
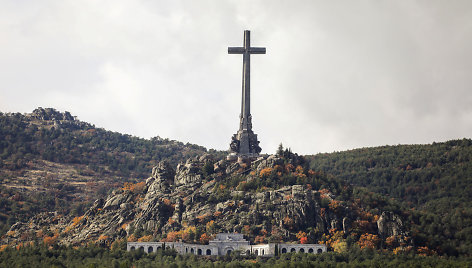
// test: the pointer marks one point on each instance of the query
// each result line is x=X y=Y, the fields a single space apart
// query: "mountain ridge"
x=425 y=229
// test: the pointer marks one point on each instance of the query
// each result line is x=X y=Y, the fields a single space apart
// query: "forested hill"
x=50 y=161
x=434 y=178
x=59 y=137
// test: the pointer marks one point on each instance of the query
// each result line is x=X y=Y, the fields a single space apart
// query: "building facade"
x=225 y=243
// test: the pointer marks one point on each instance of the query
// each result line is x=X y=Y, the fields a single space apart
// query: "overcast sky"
x=337 y=74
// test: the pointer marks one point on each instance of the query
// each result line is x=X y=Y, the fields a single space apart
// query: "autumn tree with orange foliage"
x=368 y=241
x=134 y=187
x=188 y=234
x=304 y=240
x=289 y=168
x=332 y=238
x=132 y=238
x=211 y=227
x=391 y=241
x=173 y=236
x=302 y=236
x=50 y=240
x=204 y=238
x=425 y=251
x=299 y=169
x=145 y=238
x=265 y=172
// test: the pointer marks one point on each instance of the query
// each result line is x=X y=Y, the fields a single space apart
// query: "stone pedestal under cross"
x=244 y=143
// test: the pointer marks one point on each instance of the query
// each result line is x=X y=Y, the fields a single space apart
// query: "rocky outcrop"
x=51 y=114
x=170 y=200
x=265 y=162
x=390 y=224
x=189 y=173
x=162 y=178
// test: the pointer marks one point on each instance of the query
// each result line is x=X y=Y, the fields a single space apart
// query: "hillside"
x=435 y=179
x=276 y=198
x=67 y=182
x=51 y=161
x=59 y=137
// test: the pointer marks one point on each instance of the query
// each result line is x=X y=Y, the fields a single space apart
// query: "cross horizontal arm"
x=257 y=50
x=236 y=50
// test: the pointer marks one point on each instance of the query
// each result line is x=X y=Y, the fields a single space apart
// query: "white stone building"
x=225 y=243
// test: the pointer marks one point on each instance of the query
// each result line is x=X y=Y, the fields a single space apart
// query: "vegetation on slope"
x=50 y=161
x=26 y=138
x=273 y=200
x=93 y=256
x=432 y=179
x=427 y=185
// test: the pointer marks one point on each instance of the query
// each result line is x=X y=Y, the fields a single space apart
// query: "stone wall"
x=224 y=248
x=306 y=248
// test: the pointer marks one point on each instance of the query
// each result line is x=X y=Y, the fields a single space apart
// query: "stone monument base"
x=232 y=157
x=246 y=158
x=242 y=158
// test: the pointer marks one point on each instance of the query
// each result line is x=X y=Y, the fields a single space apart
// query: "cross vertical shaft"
x=246 y=94
x=245 y=141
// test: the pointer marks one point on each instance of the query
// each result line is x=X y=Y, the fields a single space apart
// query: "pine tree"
x=280 y=150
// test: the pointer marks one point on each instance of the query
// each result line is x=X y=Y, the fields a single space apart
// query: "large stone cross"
x=245 y=142
x=247 y=50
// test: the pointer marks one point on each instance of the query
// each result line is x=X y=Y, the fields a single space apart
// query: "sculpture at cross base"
x=244 y=143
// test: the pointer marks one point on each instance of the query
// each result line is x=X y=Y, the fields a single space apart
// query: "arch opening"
x=208 y=252
x=293 y=250
x=310 y=250
x=150 y=249
x=320 y=251
x=284 y=250
x=199 y=251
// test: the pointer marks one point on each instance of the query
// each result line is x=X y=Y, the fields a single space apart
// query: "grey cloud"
x=337 y=74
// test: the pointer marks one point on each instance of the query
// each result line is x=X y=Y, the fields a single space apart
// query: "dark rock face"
x=390 y=224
